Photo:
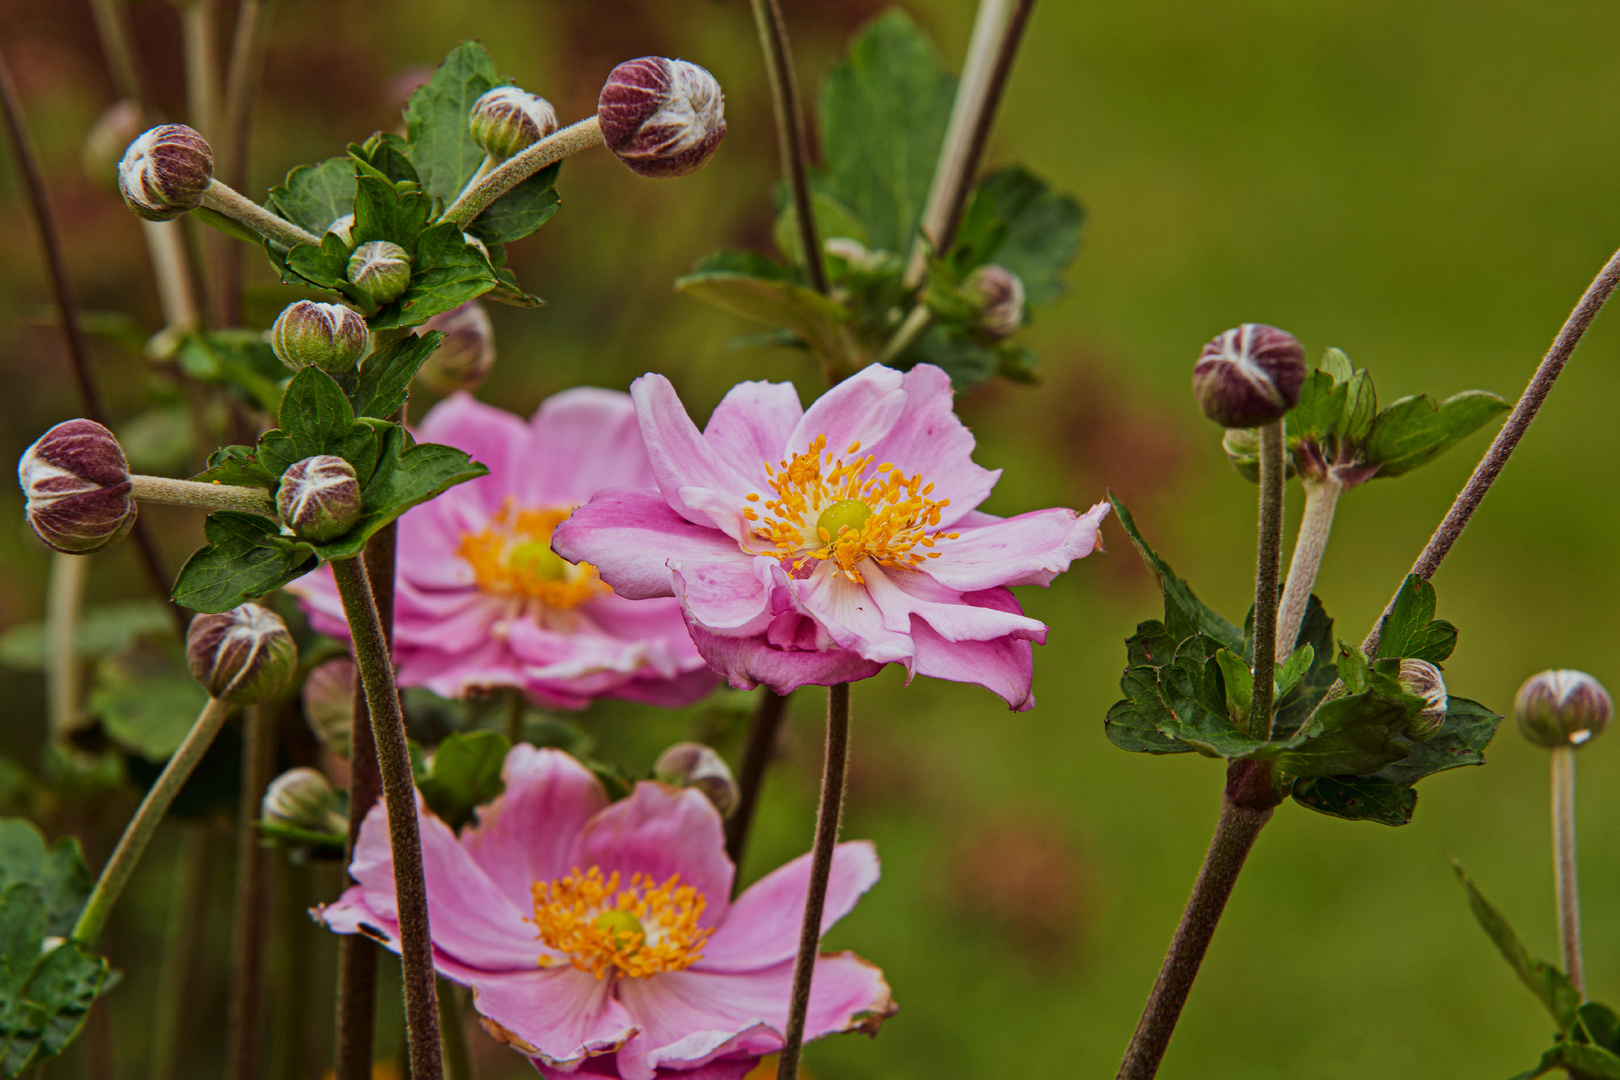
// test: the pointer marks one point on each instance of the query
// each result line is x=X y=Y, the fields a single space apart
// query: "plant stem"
x=188 y=913
x=1518 y=421
x=247 y=965
x=835 y=766
x=458 y=1064
x=763 y=730
x=202 y=81
x=372 y=658
x=1321 y=497
x=917 y=322
x=241 y=86
x=519 y=167
x=1566 y=864
x=516 y=710
x=64 y=596
x=138 y=833
x=122 y=68
x=172 y=271
x=162 y=489
x=1272 y=473
x=224 y=200
x=790 y=135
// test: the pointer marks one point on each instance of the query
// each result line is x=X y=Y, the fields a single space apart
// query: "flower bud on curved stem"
x=1424 y=679
x=694 y=765
x=466 y=355
x=165 y=172
x=319 y=498
x=303 y=798
x=662 y=117
x=477 y=196
x=1249 y=376
x=1562 y=708
x=508 y=119
x=243 y=656
x=78 y=486
x=1001 y=292
x=329 y=704
x=381 y=270
x=328 y=336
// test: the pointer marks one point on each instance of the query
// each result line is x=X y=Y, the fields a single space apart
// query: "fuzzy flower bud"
x=1002 y=293
x=694 y=765
x=77 y=482
x=329 y=704
x=467 y=353
x=662 y=117
x=1249 y=376
x=1424 y=679
x=243 y=656
x=343 y=229
x=507 y=119
x=1562 y=708
x=104 y=143
x=303 y=798
x=381 y=269
x=319 y=498
x=165 y=172
x=329 y=336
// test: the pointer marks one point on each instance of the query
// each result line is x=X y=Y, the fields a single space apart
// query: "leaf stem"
x=64 y=596
x=1321 y=498
x=372 y=658
x=225 y=200
x=1272 y=473
x=162 y=489
x=831 y=811
x=763 y=730
x=519 y=167
x=1566 y=864
x=172 y=270
x=790 y=134
x=916 y=323
x=246 y=1010
x=138 y=833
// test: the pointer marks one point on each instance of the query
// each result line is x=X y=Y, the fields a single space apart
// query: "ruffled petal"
x=929 y=438
x=682 y=458
x=851 y=617
x=631 y=537
x=752 y=424
x=1005 y=666
x=1030 y=549
x=528 y=833
x=864 y=407
x=492 y=436
x=906 y=597
x=560 y=1015
x=582 y=441
x=747 y=662
x=762 y=928
x=731 y=597
x=661 y=831
x=606 y=1067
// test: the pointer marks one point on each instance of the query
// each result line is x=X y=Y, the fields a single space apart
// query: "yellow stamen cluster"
x=636 y=931
x=827 y=508
x=512 y=557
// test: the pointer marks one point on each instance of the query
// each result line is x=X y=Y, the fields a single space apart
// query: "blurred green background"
x=1426 y=186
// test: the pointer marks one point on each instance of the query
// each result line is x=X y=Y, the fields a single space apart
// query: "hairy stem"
x=1272 y=473
x=763 y=731
x=64 y=596
x=1566 y=864
x=790 y=134
x=162 y=489
x=376 y=669
x=1321 y=497
x=188 y=912
x=519 y=167
x=247 y=939
x=458 y=1063
x=138 y=833
x=827 y=821
x=224 y=200
x=241 y=87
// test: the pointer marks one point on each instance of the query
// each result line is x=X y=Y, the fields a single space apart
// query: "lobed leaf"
x=385 y=375
x=1042 y=234
x=1410 y=630
x=447 y=273
x=1414 y=431
x=314 y=196
x=463 y=774
x=242 y=561
x=1184 y=613
x=520 y=211
x=57 y=871
x=440 y=146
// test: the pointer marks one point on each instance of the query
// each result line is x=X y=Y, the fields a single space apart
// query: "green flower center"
x=622 y=927
x=849 y=514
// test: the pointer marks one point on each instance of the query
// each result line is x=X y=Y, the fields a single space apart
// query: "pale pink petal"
x=492 y=436
x=752 y=424
x=863 y=407
x=906 y=596
x=685 y=689
x=560 y=1015
x=661 y=831
x=747 y=662
x=527 y=834
x=1005 y=666
x=850 y=615
x=929 y=439
x=762 y=928
x=1030 y=549
x=730 y=597
x=582 y=440
x=607 y=1066
x=631 y=536
x=681 y=457
x=657 y=622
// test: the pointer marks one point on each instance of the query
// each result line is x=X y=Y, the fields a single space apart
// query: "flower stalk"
x=247 y=965
x=520 y=166
x=161 y=489
x=790 y=138
x=1272 y=473
x=763 y=731
x=1321 y=499
x=1566 y=864
x=64 y=596
x=225 y=200
x=241 y=87
x=828 y=818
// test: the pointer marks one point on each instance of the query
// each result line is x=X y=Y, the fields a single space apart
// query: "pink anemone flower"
x=815 y=546
x=601 y=938
x=482 y=601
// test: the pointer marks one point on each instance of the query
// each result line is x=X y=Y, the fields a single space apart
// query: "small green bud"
x=507 y=119
x=694 y=765
x=1000 y=295
x=467 y=353
x=1562 y=708
x=303 y=798
x=319 y=498
x=329 y=704
x=243 y=656
x=381 y=269
x=1424 y=679
x=328 y=336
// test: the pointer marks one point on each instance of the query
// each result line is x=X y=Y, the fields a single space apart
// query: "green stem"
x=516 y=712
x=162 y=489
x=763 y=731
x=1265 y=578
x=247 y=967
x=222 y=199
x=790 y=139
x=64 y=596
x=188 y=913
x=1566 y=864
x=458 y=1063
x=519 y=167
x=371 y=657
x=1321 y=497
x=833 y=771
x=138 y=833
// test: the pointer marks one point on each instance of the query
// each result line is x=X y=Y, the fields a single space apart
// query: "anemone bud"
x=694 y=765
x=165 y=172
x=382 y=270
x=77 y=482
x=319 y=498
x=662 y=117
x=1249 y=376
x=116 y=127
x=508 y=119
x=1424 y=679
x=343 y=229
x=1001 y=292
x=1562 y=708
x=303 y=798
x=329 y=704
x=243 y=656
x=467 y=353
x=329 y=336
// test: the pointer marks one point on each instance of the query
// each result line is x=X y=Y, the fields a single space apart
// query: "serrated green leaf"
x=1293 y=669
x=520 y=211
x=64 y=986
x=1321 y=406
x=57 y=871
x=314 y=196
x=316 y=418
x=1184 y=613
x=1133 y=725
x=440 y=144
x=238 y=465
x=1356 y=798
x=1579 y=1060
x=1043 y=231
x=1295 y=706
x=383 y=210
x=1353 y=668
x=1352 y=735
x=327 y=267
x=1410 y=630
x=1550 y=985
x=388 y=153
x=447 y=273
x=818 y=321
x=1600 y=1024
x=239 y=563
x=1415 y=430
x=1463 y=736
x=385 y=376
x=1360 y=408
x=463 y=774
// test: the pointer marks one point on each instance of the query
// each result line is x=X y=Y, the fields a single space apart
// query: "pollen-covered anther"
x=512 y=557
x=636 y=931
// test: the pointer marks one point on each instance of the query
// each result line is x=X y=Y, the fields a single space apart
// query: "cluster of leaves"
x=1341 y=728
x=884 y=112
x=1338 y=427
x=397 y=188
x=1588 y=1040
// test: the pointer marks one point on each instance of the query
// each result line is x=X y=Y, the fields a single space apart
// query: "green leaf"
x=1600 y=1023
x=240 y=563
x=1550 y=985
x=146 y=698
x=1579 y=1060
x=1293 y=669
x=64 y=986
x=833 y=220
x=385 y=376
x=520 y=211
x=57 y=871
x=883 y=117
x=1360 y=408
x=1043 y=231
x=1133 y=724
x=1184 y=613
x=1415 y=430
x=1466 y=731
x=1410 y=630
x=227 y=225
x=818 y=321
x=1356 y=798
x=314 y=196
x=1336 y=362
x=463 y=774
x=239 y=359
x=44 y=995
x=327 y=267
x=388 y=153
x=1239 y=684
x=968 y=363
x=1295 y=706
x=1352 y=735
x=440 y=144
x=239 y=465
x=1321 y=406
x=101 y=629
x=447 y=273
x=746 y=263
x=316 y=418
x=398 y=213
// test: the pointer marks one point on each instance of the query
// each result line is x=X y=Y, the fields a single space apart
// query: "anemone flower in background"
x=601 y=937
x=815 y=546
x=482 y=602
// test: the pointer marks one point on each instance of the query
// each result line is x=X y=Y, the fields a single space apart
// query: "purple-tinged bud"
x=467 y=353
x=77 y=482
x=381 y=270
x=343 y=229
x=243 y=656
x=165 y=172
x=319 y=498
x=328 y=336
x=1562 y=708
x=303 y=798
x=662 y=117
x=694 y=765
x=1001 y=292
x=104 y=143
x=329 y=704
x=1424 y=679
x=508 y=119
x=1249 y=376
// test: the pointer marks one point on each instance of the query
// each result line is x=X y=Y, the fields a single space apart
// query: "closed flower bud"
x=381 y=269
x=694 y=765
x=1249 y=376
x=165 y=172
x=1424 y=679
x=343 y=229
x=104 y=143
x=507 y=119
x=77 y=482
x=319 y=498
x=243 y=656
x=662 y=117
x=1562 y=708
x=303 y=798
x=1001 y=292
x=329 y=704
x=467 y=353
x=329 y=336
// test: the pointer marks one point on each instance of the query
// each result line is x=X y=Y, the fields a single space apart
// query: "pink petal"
x=682 y=458
x=909 y=596
x=677 y=693
x=851 y=617
x=730 y=597
x=930 y=439
x=1005 y=666
x=527 y=834
x=492 y=436
x=560 y=1015
x=631 y=536
x=863 y=407
x=762 y=928
x=747 y=662
x=1030 y=549
x=607 y=1065
x=661 y=831
x=581 y=441
x=752 y=423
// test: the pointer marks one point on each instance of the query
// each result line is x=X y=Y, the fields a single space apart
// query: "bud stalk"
x=520 y=166
x=223 y=200
x=212 y=496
